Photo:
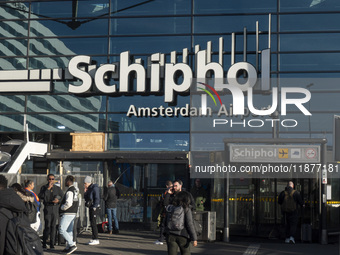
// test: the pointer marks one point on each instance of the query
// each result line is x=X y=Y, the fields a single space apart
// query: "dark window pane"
x=315 y=5
x=66 y=28
x=149 y=45
x=229 y=24
x=123 y=123
x=310 y=62
x=172 y=25
x=309 y=42
x=148 y=142
x=122 y=103
x=147 y=7
x=310 y=22
x=234 y=6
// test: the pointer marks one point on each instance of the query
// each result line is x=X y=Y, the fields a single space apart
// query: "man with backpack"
x=16 y=235
x=289 y=199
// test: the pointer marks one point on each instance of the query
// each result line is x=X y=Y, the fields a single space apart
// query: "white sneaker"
x=94 y=242
x=287 y=240
x=291 y=240
x=158 y=242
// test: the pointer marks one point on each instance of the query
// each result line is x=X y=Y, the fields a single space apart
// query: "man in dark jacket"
x=290 y=210
x=110 y=197
x=92 y=201
x=50 y=195
x=176 y=188
x=9 y=202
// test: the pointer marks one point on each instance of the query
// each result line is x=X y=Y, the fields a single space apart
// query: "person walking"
x=289 y=199
x=68 y=211
x=181 y=238
x=162 y=214
x=92 y=201
x=29 y=186
x=50 y=195
x=110 y=197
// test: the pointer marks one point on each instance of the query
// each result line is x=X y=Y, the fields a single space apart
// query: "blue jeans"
x=112 y=212
x=66 y=228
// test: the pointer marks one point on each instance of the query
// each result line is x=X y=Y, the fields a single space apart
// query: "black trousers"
x=93 y=222
x=174 y=242
x=50 y=218
x=291 y=221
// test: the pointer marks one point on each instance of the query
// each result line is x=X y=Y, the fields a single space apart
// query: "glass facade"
x=48 y=34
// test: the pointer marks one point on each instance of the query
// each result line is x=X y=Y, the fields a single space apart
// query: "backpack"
x=31 y=211
x=20 y=238
x=175 y=218
x=289 y=204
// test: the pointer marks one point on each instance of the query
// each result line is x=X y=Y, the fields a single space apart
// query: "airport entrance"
x=248 y=205
x=253 y=206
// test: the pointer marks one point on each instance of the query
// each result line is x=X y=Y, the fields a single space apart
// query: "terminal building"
x=111 y=87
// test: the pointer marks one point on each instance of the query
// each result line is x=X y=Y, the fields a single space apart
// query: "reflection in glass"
x=12 y=123
x=234 y=6
x=66 y=122
x=311 y=5
x=149 y=7
x=62 y=9
x=163 y=25
x=227 y=24
x=65 y=103
x=309 y=42
x=14 y=10
x=12 y=103
x=120 y=122
x=148 y=141
x=309 y=22
x=58 y=28
x=149 y=45
x=310 y=62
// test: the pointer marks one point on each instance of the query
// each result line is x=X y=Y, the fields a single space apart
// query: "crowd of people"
x=59 y=209
x=176 y=221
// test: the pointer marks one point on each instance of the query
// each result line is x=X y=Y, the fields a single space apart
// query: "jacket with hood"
x=93 y=194
x=9 y=202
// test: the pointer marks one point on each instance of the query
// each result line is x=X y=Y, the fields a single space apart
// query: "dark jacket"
x=92 y=194
x=47 y=196
x=110 y=197
x=168 y=198
x=11 y=201
x=189 y=230
x=297 y=197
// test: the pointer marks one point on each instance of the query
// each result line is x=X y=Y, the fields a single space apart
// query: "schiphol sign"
x=130 y=76
x=274 y=153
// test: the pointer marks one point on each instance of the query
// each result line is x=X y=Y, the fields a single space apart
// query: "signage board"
x=274 y=153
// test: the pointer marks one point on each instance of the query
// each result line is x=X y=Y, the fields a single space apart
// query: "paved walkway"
x=141 y=242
